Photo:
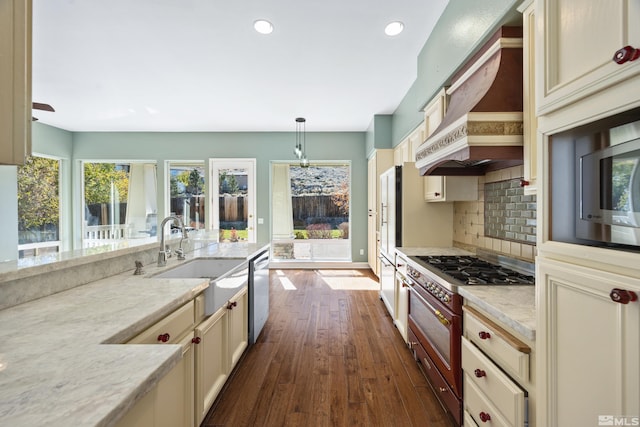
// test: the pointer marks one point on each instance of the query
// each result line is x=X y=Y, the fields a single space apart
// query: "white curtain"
x=282 y=211
x=141 y=199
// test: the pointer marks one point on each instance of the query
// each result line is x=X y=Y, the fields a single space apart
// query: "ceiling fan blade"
x=43 y=107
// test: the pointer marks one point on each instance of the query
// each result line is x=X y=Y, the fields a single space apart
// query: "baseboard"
x=318 y=265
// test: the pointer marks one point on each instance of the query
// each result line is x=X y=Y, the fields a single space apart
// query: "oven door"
x=439 y=332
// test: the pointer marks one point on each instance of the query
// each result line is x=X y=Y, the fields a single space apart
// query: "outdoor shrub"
x=344 y=230
x=299 y=235
x=319 y=231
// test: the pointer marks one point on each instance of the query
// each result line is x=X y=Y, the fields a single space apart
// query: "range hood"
x=482 y=129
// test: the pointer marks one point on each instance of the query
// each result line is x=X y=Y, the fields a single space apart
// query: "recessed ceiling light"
x=394 y=28
x=263 y=26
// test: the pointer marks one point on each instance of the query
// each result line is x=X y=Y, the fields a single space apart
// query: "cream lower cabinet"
x=171 y=402
x=496 y=373
x=221 y=340
x=589 y=369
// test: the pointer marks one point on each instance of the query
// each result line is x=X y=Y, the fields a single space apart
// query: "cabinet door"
x=530 y=120
x=589 y=345
x=15 y=81
x=578 y=41
x=238 y=327
x=211 y=363
x=174 y=397
x=450 y=188
x=434 y=188
x=402 y=306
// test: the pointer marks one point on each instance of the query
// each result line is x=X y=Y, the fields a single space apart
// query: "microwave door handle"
x=437 y=313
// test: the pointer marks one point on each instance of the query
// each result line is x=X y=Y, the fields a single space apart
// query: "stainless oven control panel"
x=427 y=283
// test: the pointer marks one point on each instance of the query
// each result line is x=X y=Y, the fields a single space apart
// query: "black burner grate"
x=474 y=271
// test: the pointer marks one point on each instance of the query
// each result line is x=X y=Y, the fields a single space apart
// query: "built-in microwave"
x=608 y=189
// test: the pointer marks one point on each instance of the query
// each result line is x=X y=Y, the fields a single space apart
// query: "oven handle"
x=436 y=312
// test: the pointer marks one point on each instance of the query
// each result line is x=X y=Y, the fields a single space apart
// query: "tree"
x=340 y=198
x=38 y=202
x=195 y=182
x=97 y=182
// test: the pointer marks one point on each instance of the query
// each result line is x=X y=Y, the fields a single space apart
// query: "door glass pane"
x=233 y=204
x=186 y=193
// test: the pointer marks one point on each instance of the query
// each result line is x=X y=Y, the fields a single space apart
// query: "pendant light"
x=300 y=149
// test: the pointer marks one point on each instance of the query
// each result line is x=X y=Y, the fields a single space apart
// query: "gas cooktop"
x=470 y=270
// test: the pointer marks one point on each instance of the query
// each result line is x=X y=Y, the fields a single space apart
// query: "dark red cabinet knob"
x=196 y=340
x=626 y=54
x=524 y=183
x=623 y=296
x=484 y=335
x=484 y=417
x=231 y=305
x=436 y=194
x=479 y=373
x=164 y=337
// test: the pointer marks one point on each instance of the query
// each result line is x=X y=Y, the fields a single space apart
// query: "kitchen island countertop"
x=61 y=358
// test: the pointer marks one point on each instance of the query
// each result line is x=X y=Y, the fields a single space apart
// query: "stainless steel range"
x=435 y=314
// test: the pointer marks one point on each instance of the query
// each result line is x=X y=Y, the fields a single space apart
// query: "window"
x=120 y=202
x=38 y=206
x=186 y=193
x=310 y=212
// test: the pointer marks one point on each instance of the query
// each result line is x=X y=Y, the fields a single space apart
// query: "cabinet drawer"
x=479 y=406
x=443 y=392
x=505 y=349
x=175 y=325
x=507 y=397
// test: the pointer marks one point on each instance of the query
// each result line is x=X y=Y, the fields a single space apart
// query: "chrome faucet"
x=164 y=251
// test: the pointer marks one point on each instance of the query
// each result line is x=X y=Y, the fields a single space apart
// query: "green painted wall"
x=263 y=146
x=462 y=29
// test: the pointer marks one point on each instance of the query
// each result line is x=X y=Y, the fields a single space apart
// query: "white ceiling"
x=198 y=65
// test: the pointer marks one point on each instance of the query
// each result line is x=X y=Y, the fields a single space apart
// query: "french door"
x=233 y=199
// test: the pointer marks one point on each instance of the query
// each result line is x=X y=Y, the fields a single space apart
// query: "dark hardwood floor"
x=329 y=355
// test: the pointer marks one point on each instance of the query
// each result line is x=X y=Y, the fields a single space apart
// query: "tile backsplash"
x=509 y=214
x=509 y=226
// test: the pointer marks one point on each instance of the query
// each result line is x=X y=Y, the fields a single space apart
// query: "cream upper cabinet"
x=450 y=188
x=589 y=345
x=577 y=42
x=379 y=162
x=434 y=113
x=15 y=81
x=530 y=120
x=406 y=150
x=443 y=188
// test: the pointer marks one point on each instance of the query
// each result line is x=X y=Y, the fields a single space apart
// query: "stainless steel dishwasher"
x=258 y=294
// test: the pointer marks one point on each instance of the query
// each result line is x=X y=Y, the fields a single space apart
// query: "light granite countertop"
x=513 y=306
x=61 y=361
